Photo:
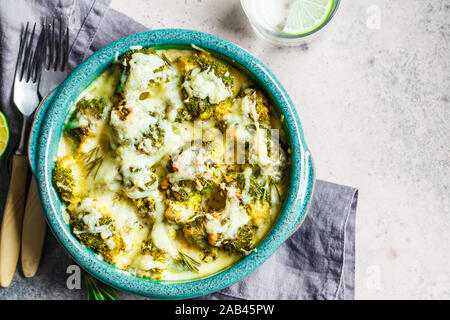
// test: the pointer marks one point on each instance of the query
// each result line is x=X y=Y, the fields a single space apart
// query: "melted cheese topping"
x=152 y=187
x=206 y=85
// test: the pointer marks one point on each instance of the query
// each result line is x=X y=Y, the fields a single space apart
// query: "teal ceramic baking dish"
x=48 y=126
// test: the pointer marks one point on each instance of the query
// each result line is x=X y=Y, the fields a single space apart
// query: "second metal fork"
x=26 y=99
x=57 y=56
x=54 y=72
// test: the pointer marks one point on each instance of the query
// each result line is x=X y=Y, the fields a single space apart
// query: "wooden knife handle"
x=12 y=220
x=33 y=232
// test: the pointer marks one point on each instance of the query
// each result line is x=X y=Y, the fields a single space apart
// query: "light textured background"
x=374 y=105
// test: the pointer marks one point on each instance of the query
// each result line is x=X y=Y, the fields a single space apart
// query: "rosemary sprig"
x=94 y=161
x=190 y=262
x=276 y=189
x=166 y=59
x=96 y=290
x=266 y=189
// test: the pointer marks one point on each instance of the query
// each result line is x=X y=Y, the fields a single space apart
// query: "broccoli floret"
x=262 y=104
x=186 y=64
x=157 y=254
x=144 y=204
x=176 y=210
x=196 y=108
x=205 y=61
x=183 y=191
x=258 y=191
x=209 y=254
x=77 y=134
x=262 y=108
x=206 y=186
x=195 y=233
x=217 y=111
x=95 y=241
x=77 y=129
x=258 y=210
x=193 y=108
x=223 y=107
x=94 y=106
x=145 y=207
x=156 y=134
x=181 y=195
x=123 y=62
x=242 y=243
x=126 y=57
x=63 y=180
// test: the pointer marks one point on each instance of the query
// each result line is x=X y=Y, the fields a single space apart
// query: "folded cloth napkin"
x=316 y=262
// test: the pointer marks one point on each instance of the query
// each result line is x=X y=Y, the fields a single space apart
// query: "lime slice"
x=306 y=15
x=4 y=133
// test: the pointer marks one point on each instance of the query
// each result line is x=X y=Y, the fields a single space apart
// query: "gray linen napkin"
x=316 y=262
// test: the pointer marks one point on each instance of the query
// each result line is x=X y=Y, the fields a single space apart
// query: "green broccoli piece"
x=242 y=243
x=63 y=180
x=94 y=241
x=257 y=191
x=76 y=134
x=145 y=206
x=205 y=61
x=157 y=254
x=156 y=134
x=93 y=106
x=196 y=108
x=217 y=111
x=262 y=108
x=123 y=62
x=207 y=186
x=209 y=254
x=262 y=103
x=183 y=191
x=195 y=233
x=193 y=108
x=126 y=57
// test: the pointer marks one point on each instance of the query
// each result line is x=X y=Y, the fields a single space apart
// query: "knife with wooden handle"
x=33 y=232
x=12 y=220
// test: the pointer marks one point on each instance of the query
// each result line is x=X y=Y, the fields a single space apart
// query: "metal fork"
x=54 y=72
x=26 y=99
x=57 y=56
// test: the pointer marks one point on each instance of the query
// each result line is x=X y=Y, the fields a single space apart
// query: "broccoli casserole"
x=172 y=164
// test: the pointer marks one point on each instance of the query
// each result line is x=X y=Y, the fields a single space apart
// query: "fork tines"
x=57 y=40
x=30 y=56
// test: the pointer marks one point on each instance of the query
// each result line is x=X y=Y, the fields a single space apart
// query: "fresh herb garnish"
x=94 y=161
x=96 y=290
x=189 y=262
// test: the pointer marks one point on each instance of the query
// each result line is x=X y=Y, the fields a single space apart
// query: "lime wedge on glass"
x=306 y=15
x=4 y=133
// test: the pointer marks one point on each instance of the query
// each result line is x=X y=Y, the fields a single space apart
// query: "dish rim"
x=45 y=128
